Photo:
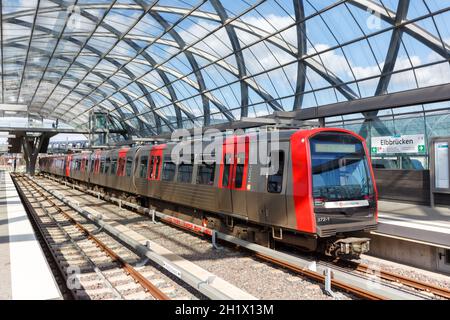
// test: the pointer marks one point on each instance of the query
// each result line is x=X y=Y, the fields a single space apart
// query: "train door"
x=68 y=164
x=273 y=196
x=156 y=155
x=121 y=181
x=141 y=171
x=233 y=175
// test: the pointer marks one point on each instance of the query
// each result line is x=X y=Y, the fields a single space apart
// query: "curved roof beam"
x=388 y=67
x=240 y=61
x=205 y=55
x=140 y=82
x=91 y=49
x=100 y=22
x=299 y=10
x=124 y=92
x=140 y=122
x=121 y=36
x=275 y=105
x=413 y=29
x=192 y=61
x=98 y=74
x=394 y=47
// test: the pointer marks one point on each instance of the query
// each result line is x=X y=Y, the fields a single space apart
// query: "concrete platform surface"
x=415 y=222
x=24 y=271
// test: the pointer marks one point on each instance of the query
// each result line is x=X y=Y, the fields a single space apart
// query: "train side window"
x=239 y=170
x=168 y=171
x=129 y=166
x=102 y=165
x=275 y=181
x=107 y=165
x=205 y=173
x=158 y=163
x=113 y=166
x=185 y=173
x=143 y=166
x=152 y=163
x=226 y=170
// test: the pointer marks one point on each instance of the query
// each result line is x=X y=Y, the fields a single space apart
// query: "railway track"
x=364 y=293
x=398 y=279
x=88 y=258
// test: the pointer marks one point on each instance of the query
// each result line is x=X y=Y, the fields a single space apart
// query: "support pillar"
x=31 y=148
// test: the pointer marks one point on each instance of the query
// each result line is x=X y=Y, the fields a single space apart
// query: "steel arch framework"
x=163 y=67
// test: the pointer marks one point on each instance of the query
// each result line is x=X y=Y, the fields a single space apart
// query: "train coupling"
x=348 y=247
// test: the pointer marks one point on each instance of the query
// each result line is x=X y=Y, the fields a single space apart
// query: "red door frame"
x=97 y=159
x=157 y=152
x=232 y=147
x=122 y=156
x=68 y=163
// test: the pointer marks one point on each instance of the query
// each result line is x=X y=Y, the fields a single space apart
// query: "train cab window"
x=152 y=163
x=107 y=165
x=143 y=166
x=226 y=170
x=205 y=173
x=158 y=163
x=129 y=166
x=239 y=170
x=185 y=173
x=168 y=171
x=275 y=180
x=113 y=166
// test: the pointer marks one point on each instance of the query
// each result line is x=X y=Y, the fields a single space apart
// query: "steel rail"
x=38 y=226
x=413 y=283
x=99 y=273
x=220 y=291
x=137 y=276
x=366 y=294
x=342 y=280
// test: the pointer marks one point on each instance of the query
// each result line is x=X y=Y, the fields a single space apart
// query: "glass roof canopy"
x=160 y=65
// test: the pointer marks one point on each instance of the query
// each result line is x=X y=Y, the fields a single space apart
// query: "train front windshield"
x=340 y=168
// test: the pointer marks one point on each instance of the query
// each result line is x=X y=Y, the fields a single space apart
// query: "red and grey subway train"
x=322 y=193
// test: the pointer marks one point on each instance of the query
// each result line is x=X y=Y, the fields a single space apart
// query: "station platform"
x=24 y=271
x=414 y=222
x=412 y=234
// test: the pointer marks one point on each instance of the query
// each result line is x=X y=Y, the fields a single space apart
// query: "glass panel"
x=129 y=166
x=339 y=172
x=275 y=181
x=185 y=173
x=206 y=174
x=168 y=171
x=143 y=166
x=113 y=166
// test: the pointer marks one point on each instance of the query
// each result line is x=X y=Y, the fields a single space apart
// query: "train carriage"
x=321 y=192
